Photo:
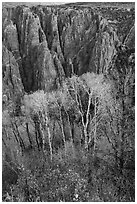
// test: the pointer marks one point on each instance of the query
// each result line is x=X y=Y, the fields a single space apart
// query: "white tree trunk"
x=49 y=138
x=63 y=133
x=95 y=130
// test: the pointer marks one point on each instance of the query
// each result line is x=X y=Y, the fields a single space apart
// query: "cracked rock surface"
x=48 y=43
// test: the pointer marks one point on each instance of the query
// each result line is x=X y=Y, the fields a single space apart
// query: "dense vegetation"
x=68 y=119
x=71 y=144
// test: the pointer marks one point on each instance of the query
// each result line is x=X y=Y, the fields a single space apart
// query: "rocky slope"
x=44 y=44
x=48 y=43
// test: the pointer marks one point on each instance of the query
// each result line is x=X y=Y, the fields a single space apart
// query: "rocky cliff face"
x=50 y=43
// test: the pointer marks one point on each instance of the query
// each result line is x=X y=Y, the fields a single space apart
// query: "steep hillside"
x=68 y=119
x=49 y=43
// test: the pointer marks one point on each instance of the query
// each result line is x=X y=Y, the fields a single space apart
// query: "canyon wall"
x=49 y=43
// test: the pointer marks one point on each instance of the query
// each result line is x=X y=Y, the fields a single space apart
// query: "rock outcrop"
x=12 y=87
x=50 y=43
